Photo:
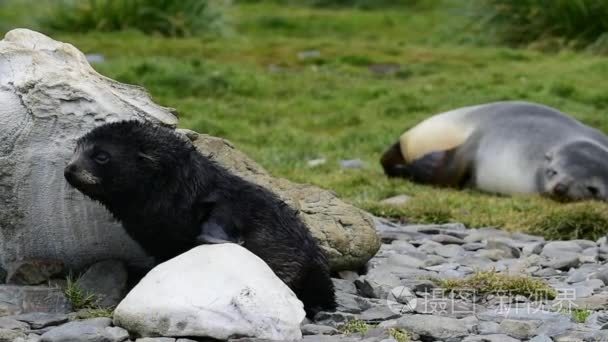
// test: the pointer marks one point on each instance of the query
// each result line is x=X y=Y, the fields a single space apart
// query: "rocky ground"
x=401 y=298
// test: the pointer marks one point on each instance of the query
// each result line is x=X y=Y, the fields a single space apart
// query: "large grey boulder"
x=221 y=291
x=50 y=96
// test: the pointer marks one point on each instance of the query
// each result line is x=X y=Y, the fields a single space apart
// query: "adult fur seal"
x=170 y=198
x=505 y=147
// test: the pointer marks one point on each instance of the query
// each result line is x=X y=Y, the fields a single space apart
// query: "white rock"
x=219 y=291
x=50 y=96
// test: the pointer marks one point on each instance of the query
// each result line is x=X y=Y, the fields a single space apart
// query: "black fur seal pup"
x=505 y=147
x=170 y=198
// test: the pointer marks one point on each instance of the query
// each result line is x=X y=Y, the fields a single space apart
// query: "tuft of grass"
x=78 y=297
x=523 y=21
x=354 y=327
x=580 y=315
x=581 y=222
x=492 y=282
x=399 y=335
x=165 y=17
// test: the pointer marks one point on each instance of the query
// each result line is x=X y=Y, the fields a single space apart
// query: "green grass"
x=252 y=88
x=354 y=327
x=85 y=303
x=78 y=297
x=491 y=282
x=580 y=315
x=165 y=17
x=574 y=22
x=399 y=335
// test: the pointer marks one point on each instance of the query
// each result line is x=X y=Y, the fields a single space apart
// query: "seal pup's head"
x=126 y=161
x=576 y=171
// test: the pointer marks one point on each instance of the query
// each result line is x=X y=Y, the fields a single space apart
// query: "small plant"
x=165 y=17
x=78 y=297
x=354 y=327
x=399 y=335
x=492 y=282
x=580 y=315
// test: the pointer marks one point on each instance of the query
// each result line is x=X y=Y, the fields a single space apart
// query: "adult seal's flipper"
x=450 y=167
x=393 y=162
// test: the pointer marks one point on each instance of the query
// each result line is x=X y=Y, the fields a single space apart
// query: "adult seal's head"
x=576 y=171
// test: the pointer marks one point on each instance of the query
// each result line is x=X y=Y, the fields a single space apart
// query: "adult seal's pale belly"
x=507 y=148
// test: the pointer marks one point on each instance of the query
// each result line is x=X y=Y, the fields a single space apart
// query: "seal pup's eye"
x=101 y=157
x=550 y=173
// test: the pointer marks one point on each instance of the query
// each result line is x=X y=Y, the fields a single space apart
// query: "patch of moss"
x=492 y=282
x=354 y=327
x=580 y=315
x=399 y=335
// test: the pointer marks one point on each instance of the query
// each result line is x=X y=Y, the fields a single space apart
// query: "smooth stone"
x=563 y=262
x=473 y=246
x=557 y=248
x=316 y=329
x=396 y=201
x=430 y=327
x=89 y=330
x=155 y=339
x=553 y=323
x=493 y=254
x=348 y=303
x=8 y=335
x=594 y=302
x=95 y=58
x=533 y=248
x=450 y=251
x=541 y=338
x=601 y=274
x=316 y=162
x=38 y=320
x=433 y=260
x=215 y=290
x=13 y=324
x=341 y=285
x=377 y=314
x=519 y=329
x=352 y=164
x=309 y=54
x=504 y=245
x=377 y=284
x=33 y=271
x=490 y=338
x=405 y=260
x=482 y=234
x=117 y=334
x=333 y=319
x=445 y=239
x=107 y=280
x=488 y=328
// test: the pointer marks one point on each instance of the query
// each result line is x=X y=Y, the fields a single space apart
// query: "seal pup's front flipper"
x=219 y=228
